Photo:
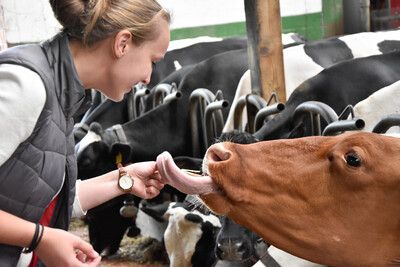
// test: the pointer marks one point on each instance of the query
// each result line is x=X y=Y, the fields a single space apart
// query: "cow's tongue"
x=188 y=184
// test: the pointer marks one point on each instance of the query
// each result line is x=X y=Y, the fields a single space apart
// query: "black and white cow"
x=190 y=235
x=345 y=83
x=192 y=54
x=179 y=56
x=306 y=60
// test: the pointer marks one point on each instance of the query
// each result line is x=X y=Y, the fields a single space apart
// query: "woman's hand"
x=61 y=248
x=146 y=179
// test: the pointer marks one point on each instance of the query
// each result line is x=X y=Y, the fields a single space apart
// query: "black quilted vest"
x=34 y=173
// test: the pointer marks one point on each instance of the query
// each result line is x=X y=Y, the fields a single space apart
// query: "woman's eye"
x=352 y=159
x=153 y=65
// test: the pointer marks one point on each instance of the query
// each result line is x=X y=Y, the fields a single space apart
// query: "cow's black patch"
x=193 y=218
x=389 y=46
x=328 y=52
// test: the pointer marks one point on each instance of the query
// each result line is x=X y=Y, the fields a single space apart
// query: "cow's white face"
x=182 y=235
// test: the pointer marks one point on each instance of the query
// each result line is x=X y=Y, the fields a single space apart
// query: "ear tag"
x=118 y=158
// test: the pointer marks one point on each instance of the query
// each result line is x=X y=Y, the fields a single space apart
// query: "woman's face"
x=137 y=64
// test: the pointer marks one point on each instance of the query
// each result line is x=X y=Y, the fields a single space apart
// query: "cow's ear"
x=157 y=212
x=120 y=150
x=96 y=127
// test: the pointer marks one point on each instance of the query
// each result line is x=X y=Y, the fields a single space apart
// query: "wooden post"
x=264 y=33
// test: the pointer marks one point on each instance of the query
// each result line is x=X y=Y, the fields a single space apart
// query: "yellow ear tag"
x=118 y=158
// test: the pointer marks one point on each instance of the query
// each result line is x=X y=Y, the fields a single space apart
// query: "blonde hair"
x=94 y=20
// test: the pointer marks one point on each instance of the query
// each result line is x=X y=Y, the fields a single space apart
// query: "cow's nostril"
x=217 y=154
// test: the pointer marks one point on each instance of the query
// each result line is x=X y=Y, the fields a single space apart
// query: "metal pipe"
x=212 y=130
x=136 y=100
x=338 y=127
x=256 y=100
x=266 y=112
x=253 y=104
x=196 y=98
x=386 y=122
x=348 y=111
x=160 y=91
x=251 y=101
x=316 y=109
x=129 y=104
x=172 y=96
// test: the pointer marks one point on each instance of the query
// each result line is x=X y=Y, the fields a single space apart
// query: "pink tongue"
x=188 y=184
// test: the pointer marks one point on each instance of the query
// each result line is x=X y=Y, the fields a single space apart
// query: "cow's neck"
x=320 y=246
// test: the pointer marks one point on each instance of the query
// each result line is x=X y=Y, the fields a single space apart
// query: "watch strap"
x=121 y=170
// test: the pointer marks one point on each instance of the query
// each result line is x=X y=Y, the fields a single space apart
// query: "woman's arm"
x=95 y=191
x=15 y=231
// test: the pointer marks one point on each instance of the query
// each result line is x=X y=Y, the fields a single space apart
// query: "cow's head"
x=238 y=243
x=190 y=235
x=331 y=200
x=97 y=153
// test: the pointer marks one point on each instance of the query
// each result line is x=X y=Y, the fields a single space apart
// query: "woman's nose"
x=147 y=79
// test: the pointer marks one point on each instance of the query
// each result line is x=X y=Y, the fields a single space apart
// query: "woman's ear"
x=122 y=42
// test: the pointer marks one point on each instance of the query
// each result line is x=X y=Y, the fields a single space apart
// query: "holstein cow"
x=306 y=60
x=330 y=200
x=345 y=83
x=189 y=238
x=192 y=54
x=167 y=127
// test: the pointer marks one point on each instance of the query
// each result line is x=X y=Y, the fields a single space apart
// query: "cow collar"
x=119 y=132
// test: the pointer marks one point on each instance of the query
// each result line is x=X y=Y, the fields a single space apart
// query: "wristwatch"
x=125 y=180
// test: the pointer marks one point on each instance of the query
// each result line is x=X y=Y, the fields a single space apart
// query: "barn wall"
x=33 y=21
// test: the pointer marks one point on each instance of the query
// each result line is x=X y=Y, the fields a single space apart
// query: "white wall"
x=192 y=13
x=33 y=20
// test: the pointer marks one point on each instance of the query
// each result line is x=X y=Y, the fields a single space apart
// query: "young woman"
x=109 y=45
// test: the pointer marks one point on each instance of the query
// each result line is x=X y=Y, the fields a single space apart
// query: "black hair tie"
x=35 y=240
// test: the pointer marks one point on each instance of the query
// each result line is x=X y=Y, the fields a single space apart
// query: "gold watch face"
x=126 y=182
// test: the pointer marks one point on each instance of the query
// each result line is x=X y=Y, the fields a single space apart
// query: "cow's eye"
x=352 y=159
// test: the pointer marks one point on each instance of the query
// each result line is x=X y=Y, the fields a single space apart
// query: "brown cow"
x=330 y=200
